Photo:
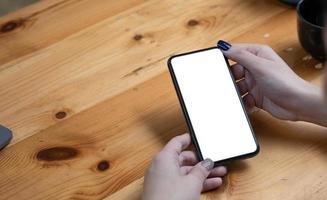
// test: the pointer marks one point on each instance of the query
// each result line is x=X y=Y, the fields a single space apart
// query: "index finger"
x=260 y=50
x=243 y=56
x=178 y=143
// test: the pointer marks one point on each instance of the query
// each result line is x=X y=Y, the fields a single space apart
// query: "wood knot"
x=138 y=37
x=57 y=153
x=192 y=22
x=103 y=165
x=60 y=114
x=11 y=25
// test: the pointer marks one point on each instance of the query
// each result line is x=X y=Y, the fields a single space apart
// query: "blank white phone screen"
x=213 y=105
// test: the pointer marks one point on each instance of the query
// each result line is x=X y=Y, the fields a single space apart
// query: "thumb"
x=202 y=170
x=245 y=57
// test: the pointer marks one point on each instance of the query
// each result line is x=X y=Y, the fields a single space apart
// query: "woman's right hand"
x=270 y=84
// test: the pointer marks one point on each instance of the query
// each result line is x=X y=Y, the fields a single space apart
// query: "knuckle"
x=199 y=175
x=157 y=158
x=174 y=141
x=265 y=47
x=243 y=52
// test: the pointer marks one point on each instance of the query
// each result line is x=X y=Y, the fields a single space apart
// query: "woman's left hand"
x=174 y=174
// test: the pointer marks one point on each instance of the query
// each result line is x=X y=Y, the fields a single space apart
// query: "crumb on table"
x=266 y=35
x=307 y=57
x=319 y=66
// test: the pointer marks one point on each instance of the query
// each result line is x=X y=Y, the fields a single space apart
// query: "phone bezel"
x=187 y=118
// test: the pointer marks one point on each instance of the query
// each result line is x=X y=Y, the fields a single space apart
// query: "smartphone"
x=5 y=136
x=212 y=106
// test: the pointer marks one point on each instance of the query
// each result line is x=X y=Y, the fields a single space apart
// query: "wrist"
x=312 y=106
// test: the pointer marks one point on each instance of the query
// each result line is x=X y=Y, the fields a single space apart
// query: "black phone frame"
x=188 y=120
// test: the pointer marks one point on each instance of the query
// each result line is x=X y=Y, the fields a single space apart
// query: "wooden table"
x=84 y=87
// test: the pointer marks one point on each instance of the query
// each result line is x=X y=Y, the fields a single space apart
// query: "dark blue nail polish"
x=223 y=45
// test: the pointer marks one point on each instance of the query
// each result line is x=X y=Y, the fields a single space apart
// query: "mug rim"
x=303 y=19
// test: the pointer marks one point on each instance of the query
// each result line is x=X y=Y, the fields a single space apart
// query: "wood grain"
x=47 y=22
x=90 y=107
x=106 y=59
x=118 y=122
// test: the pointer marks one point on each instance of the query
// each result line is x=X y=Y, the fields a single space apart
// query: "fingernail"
x=223 y=45
x=208 y=164
x=223 y=169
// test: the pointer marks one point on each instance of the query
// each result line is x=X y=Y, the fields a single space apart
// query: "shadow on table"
x=165 y=124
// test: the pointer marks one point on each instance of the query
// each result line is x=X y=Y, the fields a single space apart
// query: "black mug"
x=311 y=27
